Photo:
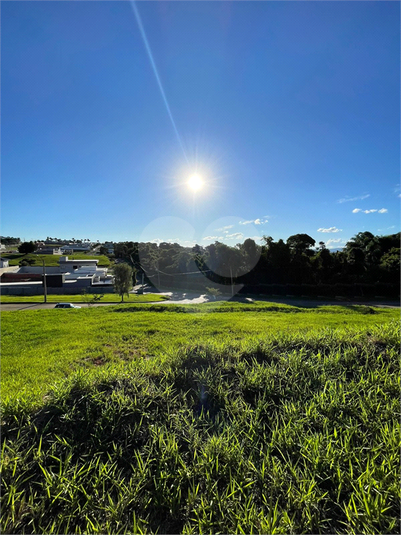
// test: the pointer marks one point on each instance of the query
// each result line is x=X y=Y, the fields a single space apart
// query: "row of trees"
x=9 y=240
x=70 y=240
x=365 y=259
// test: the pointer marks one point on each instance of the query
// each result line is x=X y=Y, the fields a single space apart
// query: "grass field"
x=107 y=298
x=217 y=418
x=52 y=260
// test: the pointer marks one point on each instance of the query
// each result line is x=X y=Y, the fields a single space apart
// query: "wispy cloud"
x=257 y=221
x=235 y=236
x=383 y=229
x=329 y=242
x=381 y=211
x=169 y=240
x=224 y=229
x=330 y=229
x=212 y=238
x=350 y=199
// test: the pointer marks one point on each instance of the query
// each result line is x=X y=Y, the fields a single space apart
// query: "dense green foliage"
x=365 y=260
x=26 y=247
x=9 y=240
x=288 y=431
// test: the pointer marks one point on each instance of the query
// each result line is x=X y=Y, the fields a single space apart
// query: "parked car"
x=66 y=305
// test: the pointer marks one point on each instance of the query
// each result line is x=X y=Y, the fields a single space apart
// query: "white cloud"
x=212 y=238
x=331 y=229
x=349 y=199
x=257 y=221
x=224 y=229
x=236 y=235
x=329 y=242
x=169 y=240
x=381 y=211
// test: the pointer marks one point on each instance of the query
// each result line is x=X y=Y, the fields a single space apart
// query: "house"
x=109 y=245
x=76 y=247
x=49 y=250
x=90 y=265
x=71 y=276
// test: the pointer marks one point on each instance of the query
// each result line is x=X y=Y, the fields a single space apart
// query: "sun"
x=195 y=183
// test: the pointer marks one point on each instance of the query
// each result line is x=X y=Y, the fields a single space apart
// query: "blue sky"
x=289 y=111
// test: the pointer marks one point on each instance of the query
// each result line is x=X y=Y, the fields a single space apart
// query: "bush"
x=27 y=247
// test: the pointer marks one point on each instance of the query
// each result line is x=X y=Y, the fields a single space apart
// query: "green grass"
x=40 y=347
x=219 y=418
x=53 y=260
x=80 y=298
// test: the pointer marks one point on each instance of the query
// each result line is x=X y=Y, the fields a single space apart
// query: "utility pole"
x=44 y=283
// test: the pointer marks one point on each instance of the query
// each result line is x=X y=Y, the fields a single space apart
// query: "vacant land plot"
x=52 y=260
x=220 y=418
x=83 y=298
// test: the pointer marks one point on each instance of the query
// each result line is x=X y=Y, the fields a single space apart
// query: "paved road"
x=189 y=298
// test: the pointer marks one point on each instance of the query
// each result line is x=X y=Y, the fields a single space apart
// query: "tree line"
x=365 y=261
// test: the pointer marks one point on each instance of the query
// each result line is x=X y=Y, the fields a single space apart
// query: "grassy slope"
x=53 y=260
x=39 y=347
x=80 y=298
x=272 y=420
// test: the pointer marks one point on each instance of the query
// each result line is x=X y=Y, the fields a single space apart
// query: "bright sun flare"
x=195 y=182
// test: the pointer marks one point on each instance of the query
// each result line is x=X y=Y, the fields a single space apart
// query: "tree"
x=27 y=247
x=123 y=274
x=300 y=243
x=390 y=264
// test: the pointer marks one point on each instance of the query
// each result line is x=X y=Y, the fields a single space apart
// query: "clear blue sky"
x=288 y=110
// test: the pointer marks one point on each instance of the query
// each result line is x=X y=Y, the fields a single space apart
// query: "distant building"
x=70 y=265
x=109 y=245
x=49 y=250
x=4 y=263
x=70 y=277
x=76 y=247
